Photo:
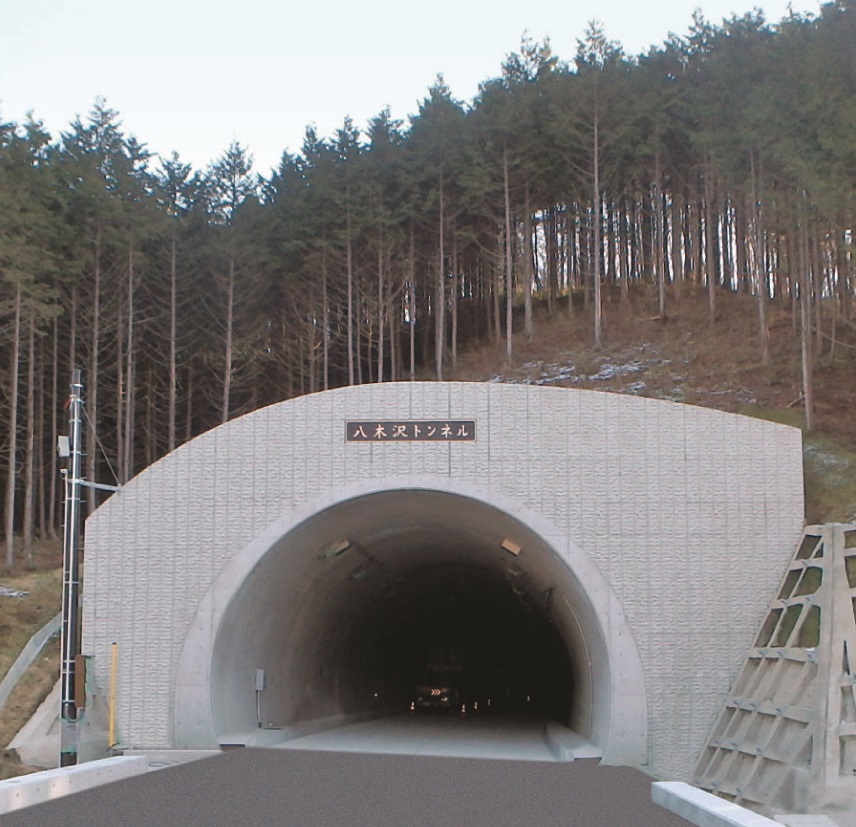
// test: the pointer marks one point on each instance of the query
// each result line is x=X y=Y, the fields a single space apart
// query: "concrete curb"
x=704 y=809
x=27 y=790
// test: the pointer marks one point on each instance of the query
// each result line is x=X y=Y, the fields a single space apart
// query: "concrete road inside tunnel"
x=407 y=607
x=517 y=737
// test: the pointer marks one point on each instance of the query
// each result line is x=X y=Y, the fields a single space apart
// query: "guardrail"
x=28 y=654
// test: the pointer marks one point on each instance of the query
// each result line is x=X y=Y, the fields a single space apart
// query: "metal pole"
x=70 y=581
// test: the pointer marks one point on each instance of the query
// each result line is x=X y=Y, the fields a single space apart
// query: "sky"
x=191 y=76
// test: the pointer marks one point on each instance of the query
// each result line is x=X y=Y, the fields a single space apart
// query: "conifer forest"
x=721 y=160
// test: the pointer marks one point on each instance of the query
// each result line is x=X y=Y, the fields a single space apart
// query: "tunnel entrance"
x=337 y=613
x=369 y=605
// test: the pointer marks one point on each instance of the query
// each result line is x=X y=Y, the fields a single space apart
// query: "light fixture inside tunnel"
x=335 y=549
x=511 y=547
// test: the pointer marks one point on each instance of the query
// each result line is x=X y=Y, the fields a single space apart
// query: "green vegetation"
x=719 y=165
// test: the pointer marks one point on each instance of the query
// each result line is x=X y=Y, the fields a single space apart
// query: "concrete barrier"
x=704 y=809
x=27 y=790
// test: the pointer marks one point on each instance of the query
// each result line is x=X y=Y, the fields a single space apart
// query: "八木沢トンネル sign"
x=421 y=430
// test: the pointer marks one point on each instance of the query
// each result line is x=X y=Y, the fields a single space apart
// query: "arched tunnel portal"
x=367 y=604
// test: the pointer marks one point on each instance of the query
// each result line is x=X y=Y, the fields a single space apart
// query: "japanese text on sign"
x=427 y=430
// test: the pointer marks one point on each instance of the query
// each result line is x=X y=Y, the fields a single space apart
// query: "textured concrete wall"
x=689 y=514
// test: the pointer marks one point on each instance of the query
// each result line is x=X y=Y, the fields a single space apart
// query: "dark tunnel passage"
x=465 y=635
x=400 y=600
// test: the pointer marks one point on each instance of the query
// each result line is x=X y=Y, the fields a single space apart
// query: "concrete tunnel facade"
x=608 y=556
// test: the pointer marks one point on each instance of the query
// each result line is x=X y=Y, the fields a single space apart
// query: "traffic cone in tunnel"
x=412 y=707
x=463 y=710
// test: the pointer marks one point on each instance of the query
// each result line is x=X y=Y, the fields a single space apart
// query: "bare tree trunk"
x=54 y=403
x=527 y=269
x=440 y=309
x=623 y=243
x=230 y=321
x=676 y=241
x=659 y=240
x=311 y=327
x=709 y=255
x=349 y=266
x=412 y=320
x=455 y=303
x=12 y=449
x=805 y=330
x=758 y=248
x=121 y=390
x=571 y=255
x=130 y=379
x=817 y=279
x=596 y=217
x=41 y=441
x=551 y=250
x=173 y=333
x=30 y=446
x=325 y=319
x=151 y=427
x=188 y=421
x=381 y=304
x=392 y=325
x=358 y=334
x=509 y=286
x=496 y=272
x=92 y=383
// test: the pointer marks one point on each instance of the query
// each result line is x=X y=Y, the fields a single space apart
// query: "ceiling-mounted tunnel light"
x=335 y=549
x=511 y=547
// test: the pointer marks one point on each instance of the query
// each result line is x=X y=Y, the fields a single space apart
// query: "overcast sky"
x=192 y=75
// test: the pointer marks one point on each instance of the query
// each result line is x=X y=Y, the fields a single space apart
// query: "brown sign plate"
x=419 y=430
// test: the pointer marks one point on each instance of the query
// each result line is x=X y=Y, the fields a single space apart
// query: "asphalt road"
x=307 y=787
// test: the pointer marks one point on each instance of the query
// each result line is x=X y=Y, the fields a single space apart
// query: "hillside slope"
x=688 y=359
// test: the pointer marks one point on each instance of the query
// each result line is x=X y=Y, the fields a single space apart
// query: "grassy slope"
x=685 y=359
x=20 y=619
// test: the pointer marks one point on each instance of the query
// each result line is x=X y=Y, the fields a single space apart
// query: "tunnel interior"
x=463 y=633
x=402 y=600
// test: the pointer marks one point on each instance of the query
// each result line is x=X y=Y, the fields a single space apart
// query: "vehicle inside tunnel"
x=407 y=600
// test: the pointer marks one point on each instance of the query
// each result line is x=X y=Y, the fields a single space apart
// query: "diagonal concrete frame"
x=610 y=708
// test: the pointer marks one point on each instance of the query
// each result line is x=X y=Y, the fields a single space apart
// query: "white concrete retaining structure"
x=39 y=787
x=704 y=809
x=651 y=536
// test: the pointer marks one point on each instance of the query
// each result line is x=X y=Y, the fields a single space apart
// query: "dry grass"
x=688 y=359
x=20 y=618
x=31 y=690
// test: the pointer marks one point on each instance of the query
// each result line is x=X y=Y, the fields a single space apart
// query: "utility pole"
x=71 y=705
x=70 y=577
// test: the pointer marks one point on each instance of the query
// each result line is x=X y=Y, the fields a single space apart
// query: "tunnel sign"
x=420 y=430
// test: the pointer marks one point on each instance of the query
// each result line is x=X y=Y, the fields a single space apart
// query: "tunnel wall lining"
x=619 y=707
x=687 y=513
